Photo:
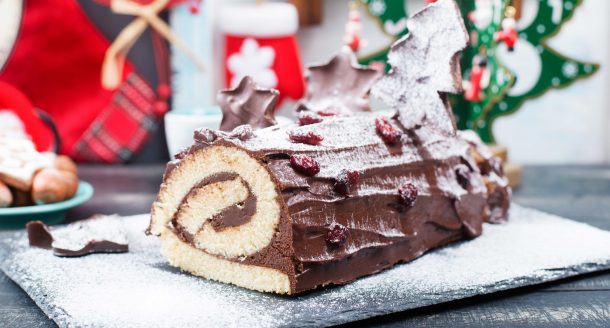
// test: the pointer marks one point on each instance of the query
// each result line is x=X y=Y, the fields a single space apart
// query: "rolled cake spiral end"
x=212 y=218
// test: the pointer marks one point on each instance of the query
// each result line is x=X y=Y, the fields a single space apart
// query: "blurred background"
x=120 y=85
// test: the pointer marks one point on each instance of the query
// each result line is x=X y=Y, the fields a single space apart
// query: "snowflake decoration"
x=377 y=7
x=569 y=69
x=254 y=61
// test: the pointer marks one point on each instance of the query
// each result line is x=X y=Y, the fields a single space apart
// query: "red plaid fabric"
x=123 y=125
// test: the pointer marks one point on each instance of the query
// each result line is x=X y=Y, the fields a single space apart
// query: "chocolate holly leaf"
x=341 y=85
x=425 y=66
x=247 y=104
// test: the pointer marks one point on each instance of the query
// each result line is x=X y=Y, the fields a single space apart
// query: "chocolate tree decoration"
x=247 y=104
x=341 y=85
x=425 y=66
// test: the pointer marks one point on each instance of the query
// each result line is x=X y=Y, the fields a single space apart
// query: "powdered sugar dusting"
x=138 y=289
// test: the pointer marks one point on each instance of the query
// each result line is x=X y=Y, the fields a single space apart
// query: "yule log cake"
x=287 y=209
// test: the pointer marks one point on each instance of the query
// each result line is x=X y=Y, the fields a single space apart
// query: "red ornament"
x=194 y=6
x=508 y=35
x=353 y=30
x=479 y=78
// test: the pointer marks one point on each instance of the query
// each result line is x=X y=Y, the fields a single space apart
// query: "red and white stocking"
x=260 y=42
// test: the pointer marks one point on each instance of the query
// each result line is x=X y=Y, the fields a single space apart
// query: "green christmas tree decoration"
x=392 y=19
x=483 y=43
x=557 y=71
x=498 y=97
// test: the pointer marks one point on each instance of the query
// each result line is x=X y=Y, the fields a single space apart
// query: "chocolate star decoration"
x=247 y=104
x=341 y=85
x=425 y=66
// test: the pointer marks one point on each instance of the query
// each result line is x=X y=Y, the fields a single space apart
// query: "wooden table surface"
x=581 y=193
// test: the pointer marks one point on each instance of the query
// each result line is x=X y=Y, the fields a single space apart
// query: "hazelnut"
x=48 y=186
x=64 y=163
x=71 y=181
x=6 y=197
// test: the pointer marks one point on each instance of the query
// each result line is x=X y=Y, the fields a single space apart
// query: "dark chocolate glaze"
x=491 y=168
x=382 y=231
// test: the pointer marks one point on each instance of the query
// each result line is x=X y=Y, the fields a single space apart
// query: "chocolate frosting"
x=341 y=85
x=247 y=104
x=378 y=224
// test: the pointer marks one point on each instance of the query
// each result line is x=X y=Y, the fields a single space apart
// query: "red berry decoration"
x=346 y=181
x=337 y=236
x=309 y=118
x=329 y=112
x=194 y=6
x=408 y=194
x=305 y=164
x=310 y=138
x=462 y=174
x=388 y=133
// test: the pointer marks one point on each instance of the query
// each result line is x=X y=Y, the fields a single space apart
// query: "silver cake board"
x=139 y=289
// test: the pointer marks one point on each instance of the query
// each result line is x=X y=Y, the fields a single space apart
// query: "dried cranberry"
x=310 y=137
x=329 y=112
x=462 y=174
x=309 y=118
x=337 y=236
x=408 y=194
x=346 y=181
x=388 y=133
x=304 y=164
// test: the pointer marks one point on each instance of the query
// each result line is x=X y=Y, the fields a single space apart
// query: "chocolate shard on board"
x=94 y=235
x=247 y=104
x=425 y=66
x=39 y=235
x=345 y=197
x=340 y=86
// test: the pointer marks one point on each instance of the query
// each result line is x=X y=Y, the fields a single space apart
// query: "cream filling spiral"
x=193 y=207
